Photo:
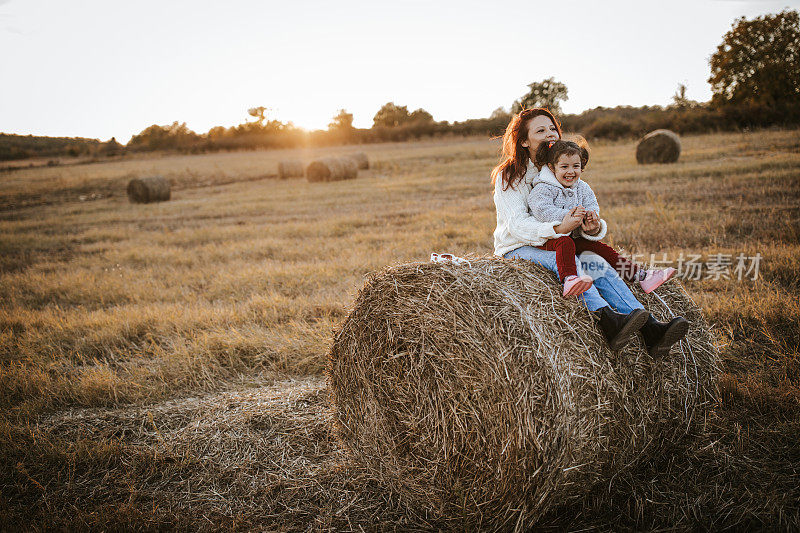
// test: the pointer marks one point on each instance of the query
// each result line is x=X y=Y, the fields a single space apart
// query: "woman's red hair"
x=515 y=156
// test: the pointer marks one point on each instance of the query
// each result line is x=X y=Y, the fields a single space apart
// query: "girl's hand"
x=571 y=221
x=591 y=223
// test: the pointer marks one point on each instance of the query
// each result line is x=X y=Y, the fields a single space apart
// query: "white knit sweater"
x=549 y=200
x=515 y=225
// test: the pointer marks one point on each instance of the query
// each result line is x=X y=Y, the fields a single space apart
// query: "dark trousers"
x=566 y=248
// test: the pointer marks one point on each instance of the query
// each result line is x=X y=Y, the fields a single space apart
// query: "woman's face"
x=540 y=128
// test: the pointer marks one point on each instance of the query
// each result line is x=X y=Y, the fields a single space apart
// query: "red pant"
x=566 y=248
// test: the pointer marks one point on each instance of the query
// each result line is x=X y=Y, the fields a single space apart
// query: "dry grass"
x=258 y=458
x=105 y=305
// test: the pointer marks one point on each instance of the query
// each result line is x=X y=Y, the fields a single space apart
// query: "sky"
x=103 y=68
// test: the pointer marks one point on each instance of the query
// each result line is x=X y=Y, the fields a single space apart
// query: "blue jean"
x=607 y=289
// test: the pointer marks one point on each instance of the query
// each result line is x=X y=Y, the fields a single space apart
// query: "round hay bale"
x=361 y=160
x=659 y=146
x=149 y=189
x=484 y=398
x=331 y=169
x=290 y=169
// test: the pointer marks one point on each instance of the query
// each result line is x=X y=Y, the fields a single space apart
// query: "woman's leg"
x=591 y=298
x=609 y=284
x=564 y=247
x=626 y=268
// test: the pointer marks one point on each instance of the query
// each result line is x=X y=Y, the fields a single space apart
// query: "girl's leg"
x=626 y=268
x=591 y=298
x=618 y=329
x=609 y=284
x=564 y=247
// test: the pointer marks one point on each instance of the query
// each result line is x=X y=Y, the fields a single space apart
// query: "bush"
x=610 y=127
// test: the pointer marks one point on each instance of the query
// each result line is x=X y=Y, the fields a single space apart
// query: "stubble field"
x=161 y=365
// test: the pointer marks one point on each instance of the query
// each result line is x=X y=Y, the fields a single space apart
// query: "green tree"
x=112 y=147
x=260 y=125
x=758 y=61
x=155 y=137
x=343 y=121
x=391 y=116
x=420 y=116
x=259 y=113
x=546 y=93
x=217 y=132
x=680 y=100
x=499 y=113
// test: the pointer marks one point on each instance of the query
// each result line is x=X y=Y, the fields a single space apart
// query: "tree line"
x=755 y=82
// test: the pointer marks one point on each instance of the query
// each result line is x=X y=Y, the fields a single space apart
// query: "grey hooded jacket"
x=549 y=201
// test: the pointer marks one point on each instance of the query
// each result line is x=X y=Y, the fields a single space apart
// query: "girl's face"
x=567 y=169
x=540 y=128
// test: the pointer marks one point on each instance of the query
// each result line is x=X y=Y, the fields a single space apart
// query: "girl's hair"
x=549 y=152
x=515 y=156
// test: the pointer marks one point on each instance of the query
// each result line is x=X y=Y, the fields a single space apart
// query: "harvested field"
x=264 y=457
x=214 y=312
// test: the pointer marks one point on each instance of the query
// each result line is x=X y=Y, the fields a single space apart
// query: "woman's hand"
x=571 y=220
x=591 y=223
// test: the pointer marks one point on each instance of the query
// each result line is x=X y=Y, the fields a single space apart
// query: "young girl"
x=559 y=191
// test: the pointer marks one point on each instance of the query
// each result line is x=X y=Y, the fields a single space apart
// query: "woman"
x=518 y=232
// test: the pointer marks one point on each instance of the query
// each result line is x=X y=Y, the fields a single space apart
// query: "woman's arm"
x=512 y=211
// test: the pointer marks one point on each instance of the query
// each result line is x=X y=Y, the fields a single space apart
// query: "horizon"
x=306 y=61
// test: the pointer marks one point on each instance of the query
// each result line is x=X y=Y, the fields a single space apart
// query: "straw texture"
x=147 y=190
x=659 y=146
x=332 y=169
x=484 y=398
x=361 y=159
x=290 y=169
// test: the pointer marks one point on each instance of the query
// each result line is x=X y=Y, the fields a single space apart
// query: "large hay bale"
x=361 y=160
x=332 y=169
x=290 y=169
x=659 y=146
x=149 y=189
x=484 y=398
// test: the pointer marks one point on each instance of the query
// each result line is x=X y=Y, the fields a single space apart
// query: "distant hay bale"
x=659 y=146
x=484 y=398
x=361 y=160
x=149 y=189
x=290 y=169
x=332 y=169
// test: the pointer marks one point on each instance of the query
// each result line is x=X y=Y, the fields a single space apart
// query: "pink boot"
x=576 y=285
x=655 y=278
